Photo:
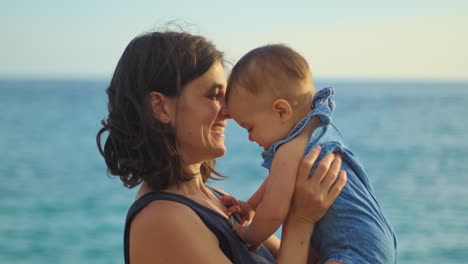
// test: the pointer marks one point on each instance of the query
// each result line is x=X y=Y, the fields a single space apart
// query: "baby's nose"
x=224 y=113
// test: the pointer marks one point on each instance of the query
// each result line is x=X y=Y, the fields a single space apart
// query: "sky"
x=360 y=39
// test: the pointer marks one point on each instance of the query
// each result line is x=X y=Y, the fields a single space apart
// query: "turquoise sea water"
x=57 y=204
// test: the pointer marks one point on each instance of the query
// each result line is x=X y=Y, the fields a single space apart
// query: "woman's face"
x=201 y=117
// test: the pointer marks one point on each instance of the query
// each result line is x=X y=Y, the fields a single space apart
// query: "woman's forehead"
x=213 y=79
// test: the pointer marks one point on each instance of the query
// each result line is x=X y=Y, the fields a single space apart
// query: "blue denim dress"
x=354 y=230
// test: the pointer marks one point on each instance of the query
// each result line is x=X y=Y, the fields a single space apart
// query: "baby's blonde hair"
x=275 y=67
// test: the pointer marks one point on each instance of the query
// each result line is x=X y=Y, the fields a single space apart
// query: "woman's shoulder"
x=160 y=229
x=163 y=213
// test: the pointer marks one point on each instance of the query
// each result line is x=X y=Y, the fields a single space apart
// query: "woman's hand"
x=312 y=198
x=315 y=194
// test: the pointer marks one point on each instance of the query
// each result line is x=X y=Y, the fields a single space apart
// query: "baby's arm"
x=246 y=210
x=277 y=194
x=257 y=197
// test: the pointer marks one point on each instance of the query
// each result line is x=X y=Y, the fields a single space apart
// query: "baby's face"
x=256 y=115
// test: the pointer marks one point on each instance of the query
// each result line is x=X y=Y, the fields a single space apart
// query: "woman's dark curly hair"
x=138 y=146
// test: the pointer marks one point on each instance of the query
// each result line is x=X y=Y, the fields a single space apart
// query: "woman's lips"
x=218 y=129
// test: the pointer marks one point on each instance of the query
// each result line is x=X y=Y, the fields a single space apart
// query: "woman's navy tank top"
x=229 y=242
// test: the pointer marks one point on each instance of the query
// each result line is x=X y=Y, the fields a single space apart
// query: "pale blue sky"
x=348 y=39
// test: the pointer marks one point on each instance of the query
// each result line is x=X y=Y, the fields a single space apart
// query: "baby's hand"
x=233 y=205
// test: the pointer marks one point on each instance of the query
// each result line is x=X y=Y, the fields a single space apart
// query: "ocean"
x=58 y=205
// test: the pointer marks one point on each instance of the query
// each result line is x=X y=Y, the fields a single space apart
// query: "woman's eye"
x=249 y=129
x=214 y=96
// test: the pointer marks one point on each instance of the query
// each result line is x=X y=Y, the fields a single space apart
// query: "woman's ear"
x=283 y=109
x=160 y=107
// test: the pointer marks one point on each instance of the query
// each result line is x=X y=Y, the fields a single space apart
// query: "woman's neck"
x=194 y=189
x=195 y=186
x=187 y=188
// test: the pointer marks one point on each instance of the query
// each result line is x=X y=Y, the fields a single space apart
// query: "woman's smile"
x=217 y=129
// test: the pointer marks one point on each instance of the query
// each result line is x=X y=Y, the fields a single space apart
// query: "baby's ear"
x=161 y=107
x=283 y=109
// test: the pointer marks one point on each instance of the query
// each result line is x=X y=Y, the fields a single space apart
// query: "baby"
x=270 y=93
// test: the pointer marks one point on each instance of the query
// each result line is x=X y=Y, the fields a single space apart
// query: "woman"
x=165 y=129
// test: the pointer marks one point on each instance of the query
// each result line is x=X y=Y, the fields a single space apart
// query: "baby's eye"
x=249 y=129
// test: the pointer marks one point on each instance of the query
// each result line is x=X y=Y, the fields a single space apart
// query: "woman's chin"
x=221 y=151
